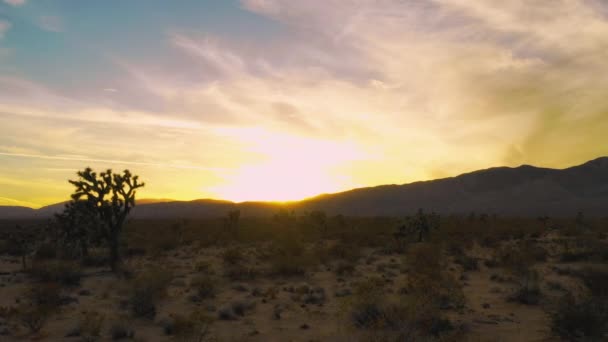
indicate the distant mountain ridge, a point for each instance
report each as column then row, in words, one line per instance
column 521, row 191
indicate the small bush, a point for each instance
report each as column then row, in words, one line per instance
column 596, row 281
column 120, row 330
column 204, row 267
column 45, row 295
column 241, row 272
column 345, row 251
column 90, row 325
column 146, row 289
column 586, row 320
column 233, row 256
column 46, row 251
column 205, row 286
column 468, row 263
column 235, row 309
column 411, row 319
column 96, row 258
column 31, row 316
column 345, row 268
column 63, row 272
column 289, row 266
column 529, row 290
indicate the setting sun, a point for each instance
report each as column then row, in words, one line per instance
column 289, row 167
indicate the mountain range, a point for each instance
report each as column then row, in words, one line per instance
column 520, row 191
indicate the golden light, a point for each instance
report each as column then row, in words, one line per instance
column 290, row 167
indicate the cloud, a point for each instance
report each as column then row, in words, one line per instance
column 352, row 93
column 51, row 23
column 4, row 27
column 15, row 2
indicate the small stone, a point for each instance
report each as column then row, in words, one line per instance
column 84, row 292
column 343, row 292
column 226, row 314
column 304, row 326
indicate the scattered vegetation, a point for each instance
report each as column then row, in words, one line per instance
column 394, row 280
column 146, row 289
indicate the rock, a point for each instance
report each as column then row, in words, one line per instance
column 84, row 292
column 314, row 298
column 304, row 326
column 278, row 310
column 485, row 305
column 195, row 299
column 303, row 289
column 226, row 314
column 67, row 300
column 74, row 332
column 343, row 292
column 241, row 288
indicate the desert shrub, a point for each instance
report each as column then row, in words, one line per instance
column 90, row 325
column 519, row 257
column 468, row 263
column 241, row 272
column 584, row 320
column 584, row 248
column 204, row 286
column 45, row 295
column 46, row 251
column 32, row 317
column 235, row 310
column 233, row 256
column 596, row 281
column 96, row 257
column 36, row 306
column 288, row 266
column 427, row 278
column 344, row 251
column 63, row 272
column 528, row 291
column 406, row 319
column 204, row 267
column 146, row 289
column 193, row 327
column 288, row 256
column 120, row 330
column 344, row 268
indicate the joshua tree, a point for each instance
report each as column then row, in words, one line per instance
column 112, row 195
column 23, row 242
column 77, row 225
column 319, row 220
column 231, row 222
column 420, row 224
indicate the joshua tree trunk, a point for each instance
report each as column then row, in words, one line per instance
column 84, row 248
column 114, row 253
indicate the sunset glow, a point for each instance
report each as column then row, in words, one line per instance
column 281, row 100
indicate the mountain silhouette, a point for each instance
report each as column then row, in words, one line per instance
column 520, row 191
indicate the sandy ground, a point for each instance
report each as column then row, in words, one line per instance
column 277, row 313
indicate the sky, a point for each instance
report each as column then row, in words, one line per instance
column 286, row 99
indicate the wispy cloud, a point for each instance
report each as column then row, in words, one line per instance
column 4, row 27
column 109, row 161
column 15, row 2
column 51, row 23
column 394, row 90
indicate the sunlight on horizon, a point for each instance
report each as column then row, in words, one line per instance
column 299, row 98
column 291, row 167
